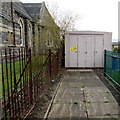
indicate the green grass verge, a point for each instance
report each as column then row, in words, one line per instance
column 114, row 74
column 17, row 73
column 37, row 63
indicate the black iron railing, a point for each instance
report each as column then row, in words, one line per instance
column 25, row 74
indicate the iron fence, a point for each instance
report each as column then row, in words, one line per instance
column 26, row 74
column 112, row 66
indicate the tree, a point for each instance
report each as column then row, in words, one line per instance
column 66, row 20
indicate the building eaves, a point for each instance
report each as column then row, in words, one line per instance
column 33, row 8
column 19, row 8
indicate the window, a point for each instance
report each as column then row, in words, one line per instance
column 10, row 37
column 30, row 34
column 49, row 39
column 5, row 37
column 21, row 23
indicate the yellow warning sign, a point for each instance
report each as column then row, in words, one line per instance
column 75, row 46
column 72, row 49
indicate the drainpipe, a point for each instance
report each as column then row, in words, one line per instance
column 0, row 108
column 13, row 23
column 26, row 34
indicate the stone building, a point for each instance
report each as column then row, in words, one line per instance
column 27, row 25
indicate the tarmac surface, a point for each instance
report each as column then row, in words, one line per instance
column 83, row 96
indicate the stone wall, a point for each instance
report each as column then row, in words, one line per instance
column 34, row 33
column 6, row 26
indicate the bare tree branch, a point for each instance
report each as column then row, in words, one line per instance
column 65, row 20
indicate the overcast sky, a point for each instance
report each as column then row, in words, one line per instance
column 95, row 15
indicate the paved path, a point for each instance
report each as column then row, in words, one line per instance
column 83, row 96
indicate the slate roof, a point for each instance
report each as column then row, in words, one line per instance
column 33, row 8
column 19, row 8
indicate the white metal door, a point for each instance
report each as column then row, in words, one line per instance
column 99, row 44
column 82, row 53
column 90, row 51
column 86, row 49
column 73, row 51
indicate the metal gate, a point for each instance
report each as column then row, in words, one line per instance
column 25, row 76
column 16, row 82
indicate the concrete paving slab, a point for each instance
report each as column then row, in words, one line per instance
column 62, row 110
column 69, row 97
column 68, row 111
column 113, row 117
column 99, row 97
column 102, row 109
column 99, row 89
column 82, row 95
column 78, row 111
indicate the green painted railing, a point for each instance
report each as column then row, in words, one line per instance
column 112, row 66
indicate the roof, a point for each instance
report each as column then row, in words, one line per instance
column 19, row 8
column 33, row 8
column 88, row 32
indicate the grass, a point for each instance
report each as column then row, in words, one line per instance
column 106, row 101
column 75, row 102
column 37, row 63
column 81, row 86
column 17, row 73
column 43, row 79
column 114, row 74
column 75, row 87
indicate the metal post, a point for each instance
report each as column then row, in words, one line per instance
column 0, row 108
column 3, row 86
column 50, row 63
column 119, row 46
column 30, row 90
column 105, row 61
column 57, row 60
column 63, row 55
